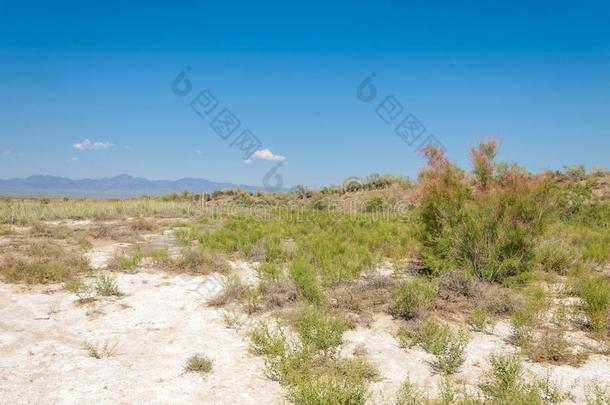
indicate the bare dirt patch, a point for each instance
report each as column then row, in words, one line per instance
column 159, row 322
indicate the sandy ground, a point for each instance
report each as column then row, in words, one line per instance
column 159, row 322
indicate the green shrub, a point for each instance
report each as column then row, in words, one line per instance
column 595, row 294
column 80, row 289
column 100, row 351
column 375, row 204
column 45, row 265
column 555, row 257
column 486, row 223
column 329, row 387
column 409, row 394
column 302, row 191
column 598, row 394
column 503, row 377
column 158, row 255
column 274, row 252
column 129, row 263
column 320, row 330
column 268, row 271
column 479, row 318
column 409, row 337
column 505, row 383
column 592, row 243
column 596, row 214
column 569, row 244
column 198, row 363
column 308, row 378
column 304, row 276
column 415, row 296
column 528, row 315
column 265, row 341
column 106, row 286
column 550, row 347
column 447, row 346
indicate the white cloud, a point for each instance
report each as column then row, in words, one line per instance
column 72, row 159
column 88, row 144
column 266, row 154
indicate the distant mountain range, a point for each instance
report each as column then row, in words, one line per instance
column 123, row 185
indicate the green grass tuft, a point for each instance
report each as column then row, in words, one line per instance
column 198, row 363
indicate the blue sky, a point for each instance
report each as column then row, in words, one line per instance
column 535, row 75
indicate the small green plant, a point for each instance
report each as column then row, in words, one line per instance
column 311, row 379
column 338, row 383
column 554, row 256
column 158, row 255
column 505, row 383
column 198, row 363
column 479, row 319
column 597, row 394
column 80, row 289
column 304, row 276
column 106, row 286
column 99, row 351
column 550, row 345
column 413, row 335
column 503, row 377
column 526, row 318
column 232, row 319
column 251, row 300
column 409, row 394
column 447, row 346
column 590, row 241
column 232, row 290
column 268, row 271
column 412, row 298
column 274, row 250
column 129, row 263
column 595, row 294
column 320, row 330
column 267, row 341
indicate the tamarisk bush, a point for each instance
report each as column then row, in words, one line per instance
column 484, row 222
